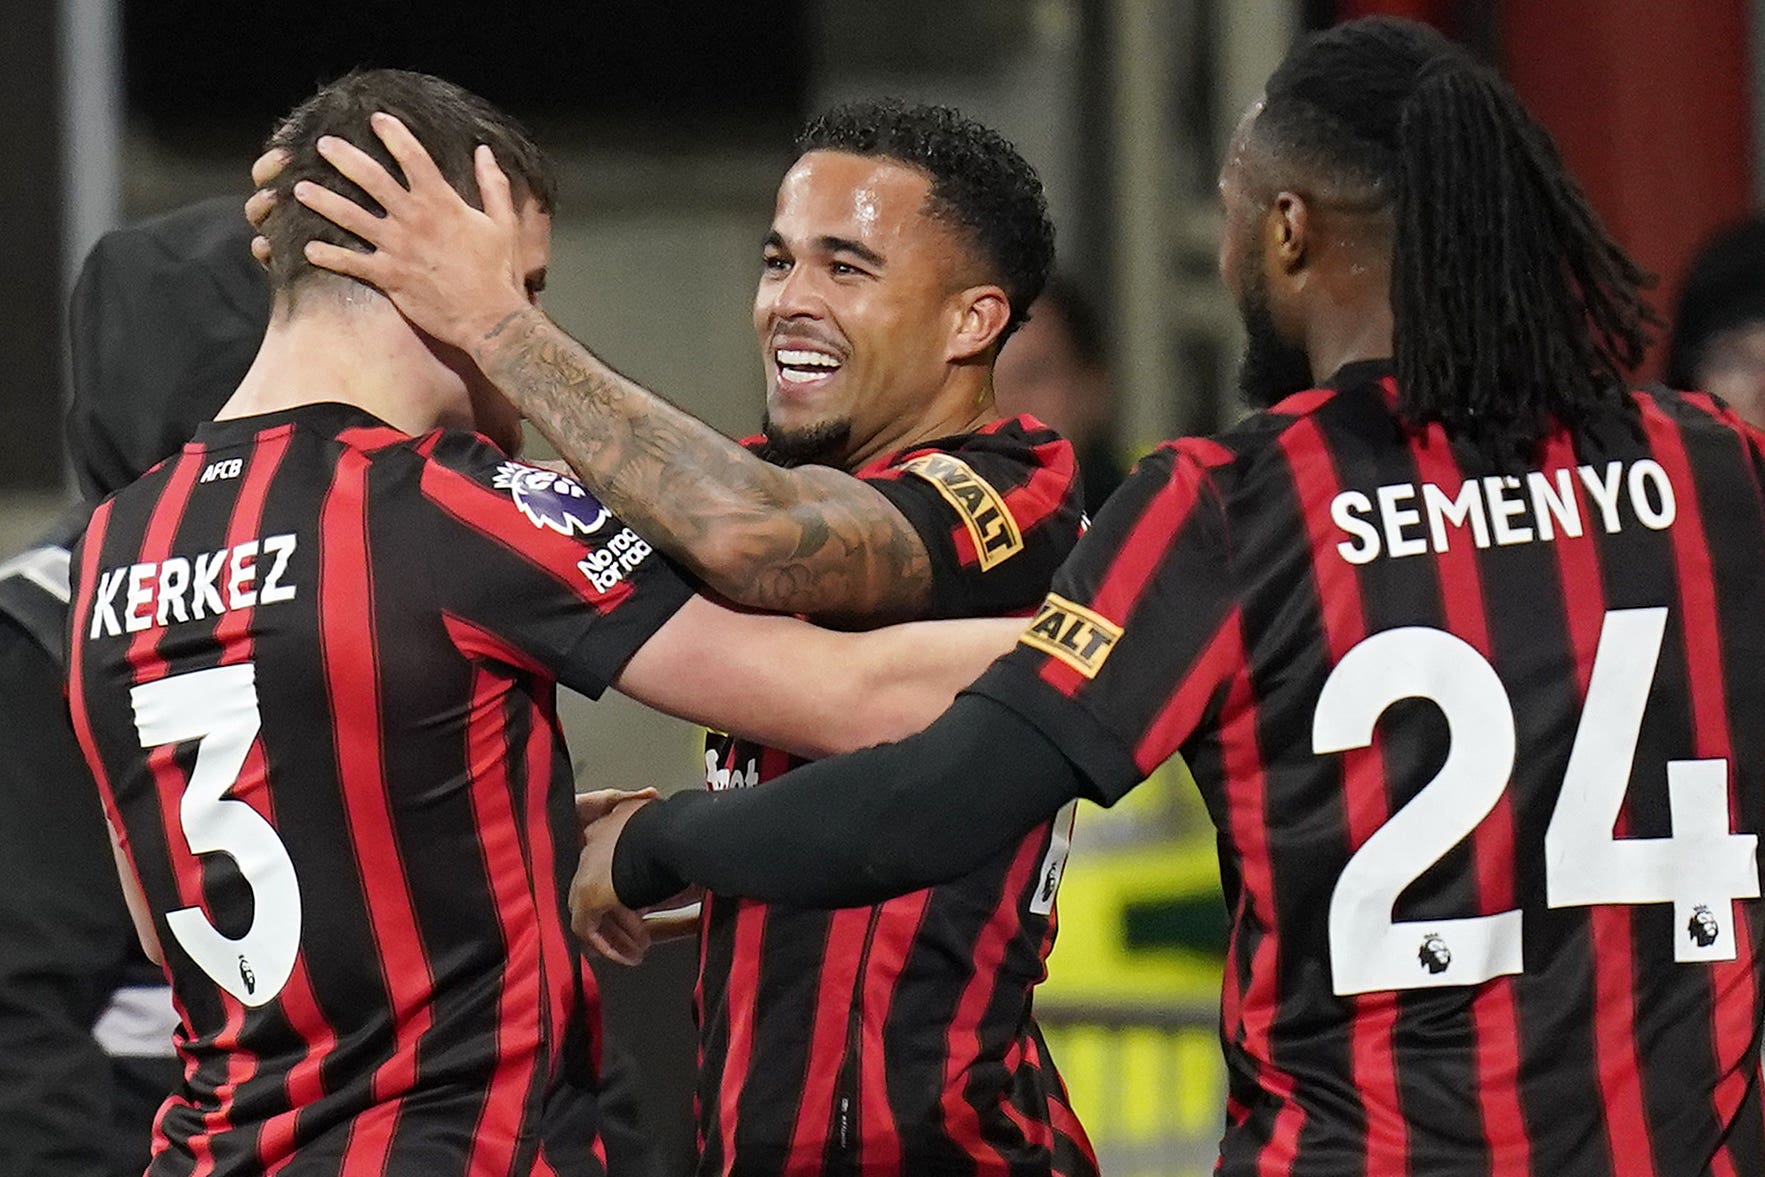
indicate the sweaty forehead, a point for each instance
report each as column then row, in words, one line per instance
column 1237, row 167
column 860, row 198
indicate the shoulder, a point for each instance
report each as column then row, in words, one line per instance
column 470, row 477
column 1022, row 439
column 1005, row 456
column 1690, row 408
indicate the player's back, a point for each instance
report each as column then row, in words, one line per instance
column 1490, row 779
column 345, row 794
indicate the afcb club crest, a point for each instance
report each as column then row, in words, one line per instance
column 549, row 500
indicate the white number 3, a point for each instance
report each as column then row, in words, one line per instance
column 218, row 708
column 1700, row 869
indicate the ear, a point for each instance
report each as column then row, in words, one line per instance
column 982, row 314
column 1289, row 232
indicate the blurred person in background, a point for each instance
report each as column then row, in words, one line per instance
column 165, row 318
column 1718, row 340
column 1057, row 371
column 906, row 247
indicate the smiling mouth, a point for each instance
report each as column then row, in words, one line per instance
column 804, row 366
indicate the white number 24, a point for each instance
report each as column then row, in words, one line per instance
column 1700, row 869
column 218, row 708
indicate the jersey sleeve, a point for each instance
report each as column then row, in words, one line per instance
column 998, row 510
column 1137, row 642
column 529, row 567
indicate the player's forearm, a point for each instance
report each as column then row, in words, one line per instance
column 856, row 829
column 908, row 676
column 763, row 536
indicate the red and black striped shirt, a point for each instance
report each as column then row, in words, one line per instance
column 1483, row 753
column 313, row 666
column 898, row 1038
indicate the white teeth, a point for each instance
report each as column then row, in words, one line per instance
column 798, row 376
column 807, row 359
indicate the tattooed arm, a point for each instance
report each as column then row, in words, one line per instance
column 808, row 540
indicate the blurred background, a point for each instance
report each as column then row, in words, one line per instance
column 673, row 124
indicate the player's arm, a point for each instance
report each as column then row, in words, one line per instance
column 842, row 832
column 1101, row 689
column 810, row 540
column 139, row 913
column 812, row 691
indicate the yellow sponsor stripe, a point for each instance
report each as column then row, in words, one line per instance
column 1072, row 633
column 982, row 509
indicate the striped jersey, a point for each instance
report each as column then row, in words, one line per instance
column 312, row 666
column 1484, row 756
column 899, row 1038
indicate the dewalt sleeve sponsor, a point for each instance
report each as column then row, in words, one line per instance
column 1072, row 633
column 981, row 508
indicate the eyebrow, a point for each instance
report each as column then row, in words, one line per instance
column 843, row 245
column 831, row 244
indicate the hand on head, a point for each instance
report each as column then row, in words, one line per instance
column 451, row 269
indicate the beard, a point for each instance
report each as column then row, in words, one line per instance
column 821, row 444
column 1272, row 369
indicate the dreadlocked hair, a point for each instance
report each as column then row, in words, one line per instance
column 1512, row 307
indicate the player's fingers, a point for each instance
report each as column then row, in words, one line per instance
column 357, row 165
column 493, row 186
column 596, row 804
column 631, row 927
column 268, row 166
column 258, row 207
column 605, row 947
column 260, row 249
column 348, row 262
column 419, row 169
column 619, row 940
column 341, row 211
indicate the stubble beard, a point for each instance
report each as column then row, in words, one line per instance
column 821, row 444
column 1271, row 369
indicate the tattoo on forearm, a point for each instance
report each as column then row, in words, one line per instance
column 805, row 541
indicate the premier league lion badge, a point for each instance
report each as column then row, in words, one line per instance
column 550, row 500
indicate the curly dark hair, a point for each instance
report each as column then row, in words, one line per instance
column 448, row 120
column 1512, row 305
column 979, row 183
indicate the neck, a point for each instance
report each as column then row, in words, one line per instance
column 962, row 405
column 1351, row 319
column 355, row 350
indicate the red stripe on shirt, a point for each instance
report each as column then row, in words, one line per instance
column 303, row 1083
column 1045, row 491
column 348, row 647
column 92, row 549
column 1365, row 791
column 147, row 665
column 519, row 1013
column 739, row 994
column 963, row 1041
column 1142, row 551
column 1246, row 804
column 827, row 1038
column 490, row 513
column 1183, row 709
column 1614, row 989
column 1734, row 1024
column 897, row 926
column 1493, row 1012
column 556, row 955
